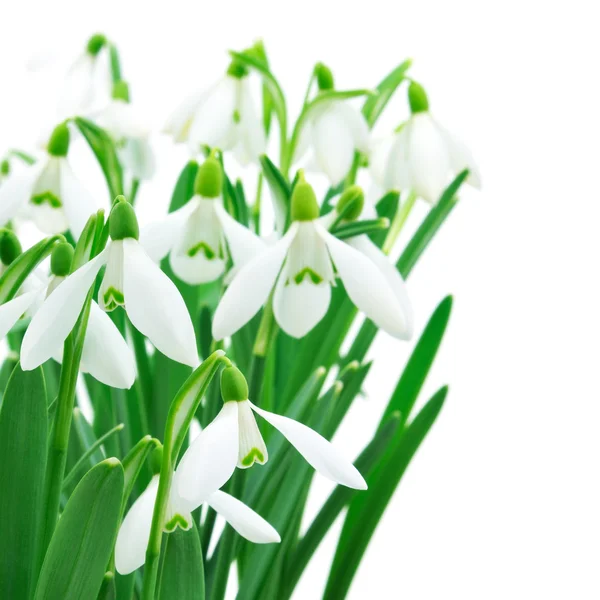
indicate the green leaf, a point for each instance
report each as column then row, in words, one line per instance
column 375, row 104
column 23, row 439
column 367, row 508
column 106, row 154
column 182, row 574
column 349, row 230
column 280, row 190
column 82, row 543
column 386, row 208
column 108, row 590
column 133, row 463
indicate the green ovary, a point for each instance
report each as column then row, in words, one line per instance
column 255, row 455
column 113, row 298
column 48, row 197
column 307, row 272
column 202, row 247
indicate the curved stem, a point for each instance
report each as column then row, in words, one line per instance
column 398, row 223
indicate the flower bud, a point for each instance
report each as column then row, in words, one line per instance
column 122, row 221
column 59, row 140
column 304, row 202
column 4, row 168
column 233, row 385
column 156, row 457
column 324, row 76
column 351, row 203
column 95, row 44
column 209, row 179
column 120, row 91
column 61, row 259
column 417, row 98
column 237, row 69
column 10, row 247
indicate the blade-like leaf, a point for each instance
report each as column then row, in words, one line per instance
column 133, row 462
column 280, row 190
column 349, row 230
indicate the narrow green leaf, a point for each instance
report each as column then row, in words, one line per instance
column 87, row 438
column 23, row 439
column 85, row 534
column 386, row 208
column 108, row 590
column 349, row 230
column 133, row 462
column 280, row 190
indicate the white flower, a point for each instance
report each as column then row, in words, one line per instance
column 201, row 236
column 223, row 117
column 132, row 540
column 300, row 268
column 56, row 199
column 233, row 439
column 132, row 280
column 422, row 156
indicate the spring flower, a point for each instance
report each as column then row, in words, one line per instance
column 422, row 156
column 233, row 439
column 56, row 199
column 223, row 117
column 332, row 132
column 132, row 280
column 300, row 268
column 201, row 236
column 105, row 353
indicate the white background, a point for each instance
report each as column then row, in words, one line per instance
column 503, row 499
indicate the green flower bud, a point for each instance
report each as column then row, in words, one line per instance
column 304, row 202
column 209, row 179
column 10, row 247
column 417, row 98
column 96, row 43
column 324, row 76
column 237, row 69
column 59, row 140
column 120, row 91
column 122, row 221
column 61, row 259
column 4, row 168
column 156, row 457
column 351, row 203
column 233, row 385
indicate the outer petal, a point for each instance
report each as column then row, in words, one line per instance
column 252, row 133
column 211, row 459
column 132, row 540
column 156, row 307
column 243, row 519
column 461, row 157
column 396, row 174
column 367, row 286
column 178, row 124
column 58, row 314
column 322, row 455
column 106, row 356
column 380, row 152
column 78, row 86
column 122, row 120
column 13, row 310
column 137, row 155
column 250, row 288
column 356, row 124
column 16, row 190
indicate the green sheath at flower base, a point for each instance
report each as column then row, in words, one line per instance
column 304, row 202
column 59, row 140
column 120, row 91
column 233, row 385
column 10, row 247
column 122, row 221
column 96, row 43
column 351, row 203
column 417, row 98
column 156, row 459
column 61, row 259
column 237, row 69
column 4, row 168
column 324, row 76
column 209, row 180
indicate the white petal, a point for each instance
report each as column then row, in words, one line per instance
column 461, row 157
column 47, row 191
column 378, row 160
column 16, row 190
column 250, row 288
column 367, row 287
column 321, row 454
column 138, row 157
column 58, row 314
column 356, row 124
column 243, row 519
column 122, row 120
column 179, row 123
column 132, row 540
column 252, row 447
column 364, row 245
column 106, row 355
column 155, row 306
column 13, row 310
column 78, row 87
column 112, row 289
column 251, row 128
column 397, row 174
column 211, row 459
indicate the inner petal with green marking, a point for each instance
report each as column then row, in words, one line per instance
column 209, row 252
column 177, row 520
column 46, row 197
column 113, row 298
column 307, row 272
column 251, row 444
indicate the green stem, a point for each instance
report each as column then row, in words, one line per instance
column 135, row 186
column 400, row 219
column 257, row 202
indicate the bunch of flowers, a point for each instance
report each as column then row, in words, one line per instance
column 229, row 307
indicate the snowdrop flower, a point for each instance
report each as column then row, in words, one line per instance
column 201, row 236
column 332, row 132
column 422, row 156
column 105, row 354
column 223, row 117
column 4, row 170
column 300, row 268
column 56, row 199
column 132, row 540
column 132, row 280
column 233, row 439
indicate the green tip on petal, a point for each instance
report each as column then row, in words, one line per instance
column 233, row 385
column 209, row 179
column 120, row 91
column 61, row 259
column 304, row 202
column 156, row 459
column 10, row 247
column 59, row 140
column 351, row 203
column 96, row 43
column 237, row 69
column 122, row 221
column 324, row 76
column 4, row 168
column 417, row 98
